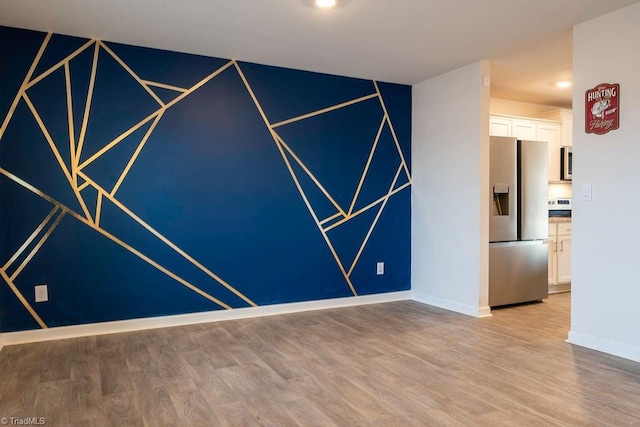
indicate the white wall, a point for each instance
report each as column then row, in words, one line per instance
column 606, row 277
column 450, row 203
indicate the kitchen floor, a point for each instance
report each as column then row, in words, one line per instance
column 399, row 363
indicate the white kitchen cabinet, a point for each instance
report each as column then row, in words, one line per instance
column 559, row 257
column 564, row 253
column 526, row 130
column 552, row 243
column 533, row 130
column 553, row 261
column 567, row 130
column 551, row 132
column 565, row 117
column 499, row 126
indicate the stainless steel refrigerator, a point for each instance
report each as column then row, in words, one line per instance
column 518, row 225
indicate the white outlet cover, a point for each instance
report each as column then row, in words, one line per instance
column 42, row 294
column 380, row 268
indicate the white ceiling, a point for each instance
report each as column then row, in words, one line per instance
column 402, row 41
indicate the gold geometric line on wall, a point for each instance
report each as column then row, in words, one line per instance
column 166, row 241
column 165, row 86
column 293, row 176
column 324, row 110
column 37, row 247
column 106, row 234
column 119, row 139
column 153, row 115
column 331, row 218
column 65, row 60
column 280, row 144
column 366, row 208
column 136, row 154
column 350, row 214
column 199, row 84
column 22, row 299
column 57, row 155
column 366, row 167
column 22, row 89
column 313, row 214
column 98, row 209
column 375, row 221
column 393, row 132
column 309, row 173
column 133, row 74
column 83, row 186
column 72, row 175
column 30, row 239
column 72, row 142
column 255, row 99
column 48, row 137
column 87, row 106
column 33, row 189
column 152, row 262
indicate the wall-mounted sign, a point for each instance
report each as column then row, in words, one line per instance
column 602, row 108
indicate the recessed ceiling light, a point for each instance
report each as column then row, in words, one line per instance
column 325, row 4
column 563, row 84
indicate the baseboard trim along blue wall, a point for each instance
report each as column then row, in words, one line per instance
column 140, row 183
column 122, row 326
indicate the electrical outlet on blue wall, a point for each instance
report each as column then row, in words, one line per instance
column 190, row 184
column 41, row 293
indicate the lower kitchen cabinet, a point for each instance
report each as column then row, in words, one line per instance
column 559, row 257
column 553, row 257
column 564, row 257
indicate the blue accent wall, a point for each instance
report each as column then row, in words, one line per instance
column 137, row 182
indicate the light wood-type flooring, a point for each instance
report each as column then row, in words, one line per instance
column 393, row 364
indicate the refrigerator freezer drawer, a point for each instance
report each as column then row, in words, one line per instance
column 518, row 272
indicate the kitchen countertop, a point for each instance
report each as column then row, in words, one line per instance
column 558, row 220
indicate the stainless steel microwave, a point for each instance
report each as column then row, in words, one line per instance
column 566, row 163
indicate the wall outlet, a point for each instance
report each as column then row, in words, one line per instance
column 380, row 268
column 42, row 294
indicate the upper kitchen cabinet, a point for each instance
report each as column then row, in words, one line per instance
column 551, row 132
column 499, row 126
column 524, row 130
column 565, row 117
column 533, row 130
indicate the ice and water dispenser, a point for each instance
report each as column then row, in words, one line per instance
column 500, row 200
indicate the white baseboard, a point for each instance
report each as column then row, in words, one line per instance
column 452, row 305
column 605, row 346
column 76, row 331
column 559, row 288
